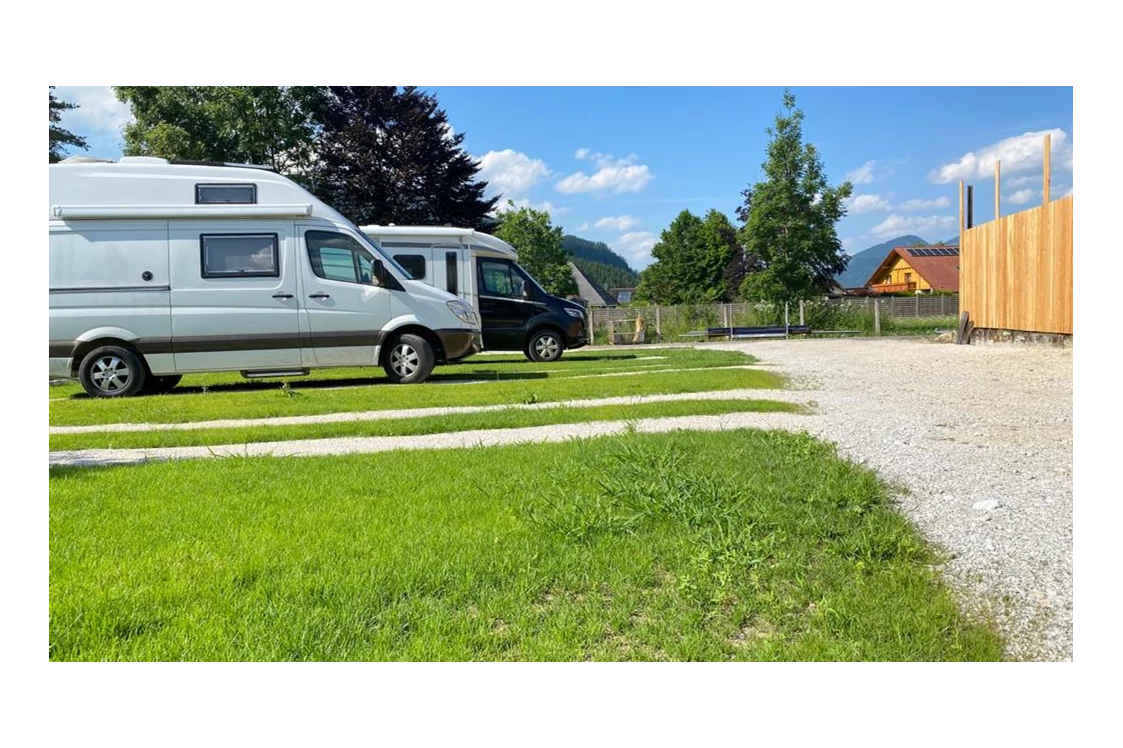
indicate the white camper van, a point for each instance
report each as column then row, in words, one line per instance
column 516, row 313
column 159, row 268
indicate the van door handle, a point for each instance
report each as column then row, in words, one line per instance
column 319, row 296
column 282, row 296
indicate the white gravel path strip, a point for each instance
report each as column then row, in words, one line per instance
column 456, row 439
column 380, row 415
column 982, row 437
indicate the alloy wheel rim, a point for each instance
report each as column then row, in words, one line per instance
column 111, row 374
column 404, row 360
column 546, row 346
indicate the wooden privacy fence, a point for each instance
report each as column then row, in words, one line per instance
column 1016, row 272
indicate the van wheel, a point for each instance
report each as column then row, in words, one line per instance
column 544, row 346
column 409, row 360
column 161, row 385
column 111, row 371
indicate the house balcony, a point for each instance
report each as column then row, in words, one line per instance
column 893, row 288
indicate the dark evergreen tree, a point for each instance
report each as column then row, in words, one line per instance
column 61, row 137
column 388, row 155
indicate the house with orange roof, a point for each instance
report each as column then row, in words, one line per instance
column 917, row 270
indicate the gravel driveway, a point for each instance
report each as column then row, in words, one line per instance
column 982, row 437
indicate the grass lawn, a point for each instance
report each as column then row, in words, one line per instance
column 743, row 545
column 508, row 418
column 329, row 392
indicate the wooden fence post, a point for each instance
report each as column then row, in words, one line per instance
column 658, row 325
column 801, row 323
column 876, row 318
column 997, row 188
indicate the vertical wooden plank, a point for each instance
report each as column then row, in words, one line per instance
column 997, row 188
column 1048, row 160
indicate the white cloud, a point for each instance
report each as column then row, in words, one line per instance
column 1023, row 181
column 620, row 223
column 848, row 242
column 867, row 203
column 511, row 173
column 863, row 174
column 1021, row 197
column 918, row 204
column 896, row 225
column 1019, row 153
column 98, row 109
column 613, row 175
column 554, row 210
column 635, row 246
column 583, row 227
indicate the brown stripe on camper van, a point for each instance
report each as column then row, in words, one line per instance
column 62, row 348
column 223, row 343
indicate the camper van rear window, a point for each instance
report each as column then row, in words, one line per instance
column 240, row 255
column 225, row 194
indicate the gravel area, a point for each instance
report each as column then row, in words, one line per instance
column 981, row 436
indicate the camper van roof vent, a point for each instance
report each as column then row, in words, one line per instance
column 85, row 160
column 261, row 167
column 142, row 160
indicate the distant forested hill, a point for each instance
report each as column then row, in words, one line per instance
column 601, row 264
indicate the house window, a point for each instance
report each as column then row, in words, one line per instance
column 240, row 255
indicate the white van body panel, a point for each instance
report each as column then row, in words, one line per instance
column 140, row 253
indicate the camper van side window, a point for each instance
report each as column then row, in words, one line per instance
column 415, row 264
column 239, row 255
column 498, row 279
column 225, row 194
column 338, row 257
column 452, row 277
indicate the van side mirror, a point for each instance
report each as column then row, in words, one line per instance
column 379, row 278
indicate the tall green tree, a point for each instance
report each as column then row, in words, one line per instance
column 268, row 125
column 691, row 258
column 60, row 136
column 790, row 217
column 539, row 244
column 388, row 155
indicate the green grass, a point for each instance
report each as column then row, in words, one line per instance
column 492, row 367
column 510, row 418
column 743, row 545
column 265, row 400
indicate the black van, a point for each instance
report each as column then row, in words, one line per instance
column 516, row 314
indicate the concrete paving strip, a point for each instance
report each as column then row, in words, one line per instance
column 450, row 440
column 379, row 415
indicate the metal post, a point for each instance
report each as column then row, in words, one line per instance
column 970, row 206
column 876, row 317
column 786, row 323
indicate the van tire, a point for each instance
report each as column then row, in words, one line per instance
column 112, row 371
column 161, row 385
column 545, row 345
column 409, row 359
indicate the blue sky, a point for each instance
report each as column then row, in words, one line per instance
column 618, row 164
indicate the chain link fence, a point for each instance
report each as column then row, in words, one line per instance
column 895, row 315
